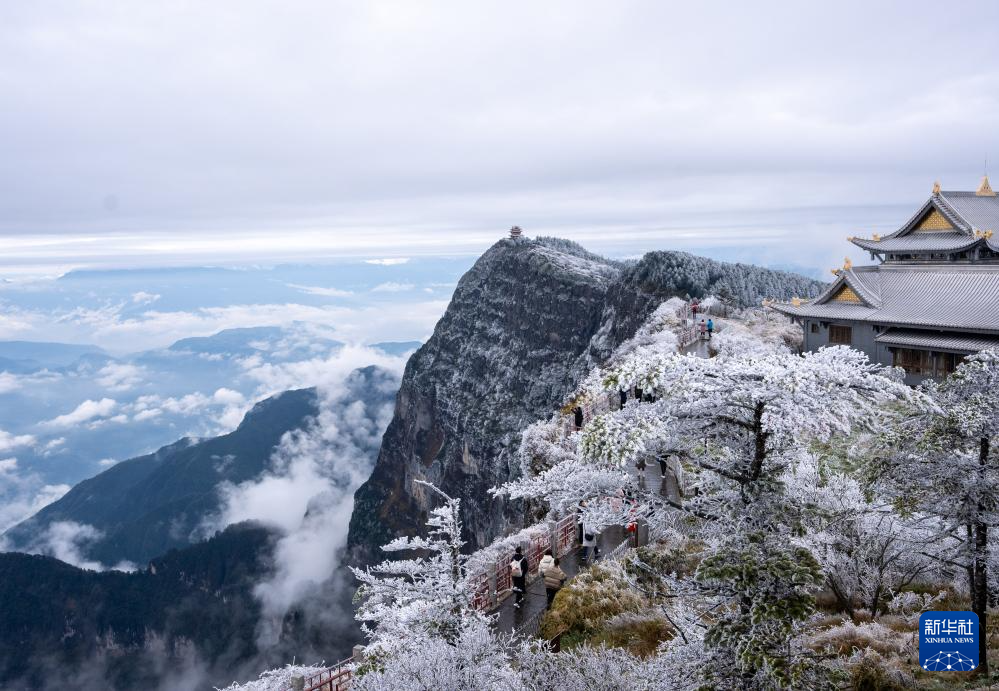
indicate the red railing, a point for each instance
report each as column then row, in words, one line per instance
column 504, row 579
column 335, row 678
column 481, row 599
column 565, row 536
column 536, row 550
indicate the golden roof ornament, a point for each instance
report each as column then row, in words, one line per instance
column 849, row 238
column 984, row 189
column 876, row 237
column 936, row 187
column 835, row 272
column 796, row 301
column 847, row 264
column 987, row 235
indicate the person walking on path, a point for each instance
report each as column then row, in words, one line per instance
column 704, row 327
column 711, row 327
column 663, row 465
column 577, row 414
column 624, row 396
column 554, row 578
column 518, row 572
column 589, row 544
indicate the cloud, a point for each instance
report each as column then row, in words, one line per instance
column 66, row 541
column 308, row 491
column 388, row 261
column 10, row 441
column 392, row 287
column 319, row 290
column 9, row 382
column 22, row 494
column 232, row 403
column 144, row 298
column 107, row 462
column 118, row 376
column 86, row 411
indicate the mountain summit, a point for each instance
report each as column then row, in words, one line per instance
column 526, row 323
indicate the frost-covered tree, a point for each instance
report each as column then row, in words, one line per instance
column 739, row 424
column 940, row 461
column 424, row 596
column 866, row 550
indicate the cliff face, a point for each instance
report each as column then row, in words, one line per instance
column 526, row 323
column 506, row 351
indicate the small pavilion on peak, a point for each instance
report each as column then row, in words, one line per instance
column 932, row 297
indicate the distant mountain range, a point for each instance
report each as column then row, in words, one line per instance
column 147, row 505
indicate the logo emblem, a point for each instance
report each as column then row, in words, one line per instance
column 948, row 641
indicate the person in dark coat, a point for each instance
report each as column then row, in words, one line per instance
column 624, row 397
column 519, row 564
column 577, row 414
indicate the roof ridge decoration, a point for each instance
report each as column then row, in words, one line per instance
column 984, row 188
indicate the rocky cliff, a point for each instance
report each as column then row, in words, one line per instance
column 526, row 322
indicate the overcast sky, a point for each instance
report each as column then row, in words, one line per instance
column 226, row 132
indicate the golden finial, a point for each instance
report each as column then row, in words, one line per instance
column 978, row 233
column 876, row 237
column 985, row 189
column 835, row 272
column 849, row 238
column 936, row 187
column 847, row 264
column 796, row 301
column 988, row 234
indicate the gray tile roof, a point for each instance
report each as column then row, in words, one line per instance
column 980, row 213
column 935, row 340
column 947, row 296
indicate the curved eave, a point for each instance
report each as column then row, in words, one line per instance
column 886, row 245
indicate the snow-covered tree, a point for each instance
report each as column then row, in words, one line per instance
column 940, row 461
column 739, row 424
column 424, row 596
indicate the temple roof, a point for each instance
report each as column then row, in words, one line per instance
column 934, row 340
column 947, row 296
column 948, row 221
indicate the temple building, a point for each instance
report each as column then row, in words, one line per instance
column 932, row 299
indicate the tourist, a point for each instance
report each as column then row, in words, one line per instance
column 704, row 327
column 638, row 394
column 577, row 414
column 624, row 396
column 663, row 465
column 554, row 578
column 547, row 562
column 711, row 327
column 518, row 571
column 589, row 544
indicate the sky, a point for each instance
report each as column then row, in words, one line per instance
column 227, row 133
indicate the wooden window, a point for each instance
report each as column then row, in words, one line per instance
column 815, row 328
column 913, row 361
column 840, row 335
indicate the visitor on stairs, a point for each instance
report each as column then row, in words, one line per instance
column 518, row 573
column 554, row 578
